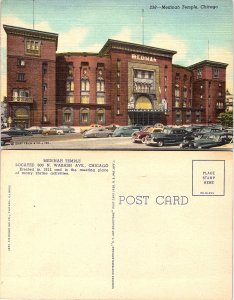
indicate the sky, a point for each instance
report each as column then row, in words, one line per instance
column 196, row 34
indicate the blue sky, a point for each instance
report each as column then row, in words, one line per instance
column 86, row 26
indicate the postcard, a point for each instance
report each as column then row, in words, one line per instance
column 123, row 225
column 116, row 149
column 92, row 75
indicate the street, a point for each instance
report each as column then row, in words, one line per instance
column 74, row 141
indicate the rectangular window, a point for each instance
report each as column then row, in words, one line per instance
column 20, row 62
column 100, row 99
column 32, row 47
column 20, row 77
column 199, row 73
column 215, row 72
column 84, row 117
column 84, row 99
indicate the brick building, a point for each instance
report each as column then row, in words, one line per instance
column 124, row 83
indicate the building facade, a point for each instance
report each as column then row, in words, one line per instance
column 124, row 83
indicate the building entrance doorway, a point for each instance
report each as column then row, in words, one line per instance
column 146, row 117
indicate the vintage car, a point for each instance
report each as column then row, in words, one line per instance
column 53, row 131
column 15, row 131
column 126, row 130
column 35, row 129
column 6, row 139
column 140, row 136
column 169, row 136
column 207, row 129
column 208, row 140
column 88, row 127
column 67, row 129
column 98, row 132
column 112, row 127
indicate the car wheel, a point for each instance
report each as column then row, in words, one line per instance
column 143, row 140
column 121, row 135
column 160, row 143
column 109, row 135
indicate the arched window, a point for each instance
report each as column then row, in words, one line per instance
column 100, row 116
column 85, row 89
column 68, row 116
column 84, row 116
column 177, row 91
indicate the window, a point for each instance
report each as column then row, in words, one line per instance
column 100, row 116
column 100, row 99
column 84, row 116
column 70, row 69
column 100, row 85
column 185, row 92
column 85, row 85
column 20, row 95
column 188, row 116
column 198, row 116
column 67, row 116
column 32, row 47
column 70, row 98
column 20, row 77
column 215, row 72
column 178, row 116
column 20, row 62
column 199, row 73
column 44, row 87
column 70, row 85
column 177, row 91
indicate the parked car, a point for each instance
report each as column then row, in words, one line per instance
column 88, row 127
column 67, row 129
column 207, row 129
column 112, row 127
column 97, row 132
column 126, row 130
column 6, row 139
column 169, row 136
column 140, row 136
column 53, row 131
column 208, row 140
column 35, row 129
column 15, row 131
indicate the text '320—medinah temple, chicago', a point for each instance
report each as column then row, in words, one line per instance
column 124, row 83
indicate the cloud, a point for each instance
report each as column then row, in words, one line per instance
column 224, row 55
column 14, row 21
column 124, row 35
column 167, row 41
column 72, row 39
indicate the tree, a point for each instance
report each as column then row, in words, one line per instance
column 226, row 119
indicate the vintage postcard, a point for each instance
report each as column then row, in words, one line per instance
column 116, row 75
column 116, row 149
column 122, row 225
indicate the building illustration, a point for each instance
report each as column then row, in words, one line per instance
column 125, row 83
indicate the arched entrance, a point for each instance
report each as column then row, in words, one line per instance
column 21, row 117
column 143, row 103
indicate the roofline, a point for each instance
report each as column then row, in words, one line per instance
column 208, row 62
column 115, row 44
column 183, row 67
column 77, row 54
column 31, row 33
